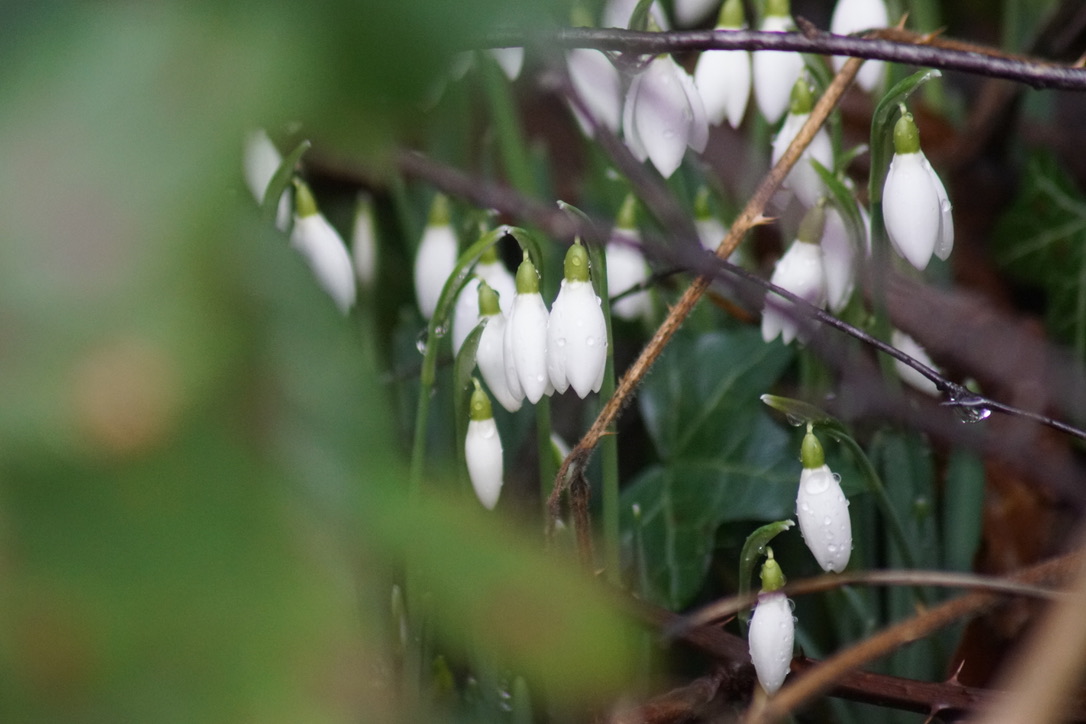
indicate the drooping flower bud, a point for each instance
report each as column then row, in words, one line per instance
column 490, row 356
column 323, row 248
column 626, row 267
column 723, row 77
column 775, row 71
column 822, row 509
column 853, row 16
column 663, row 115
column 483, row 450
column 915, row 205
column 803, row 180
column 526, row 337
column 577, row 330
column 436, row 257
column 801, row 272
column 772, row 629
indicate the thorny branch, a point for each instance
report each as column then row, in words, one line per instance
column 898, row 46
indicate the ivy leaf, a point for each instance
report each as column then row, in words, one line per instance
column 723, row 458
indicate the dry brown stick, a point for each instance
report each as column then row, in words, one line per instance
column 825, row 676
column 750, row 216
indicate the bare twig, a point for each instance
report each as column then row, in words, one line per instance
column 896, row 46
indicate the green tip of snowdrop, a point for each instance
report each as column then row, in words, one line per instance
column 731, row 15
column 906, row 134
column 778, row 8
column 810, row 451
column 812, row 226
column 801, row 100
column 439, row 211
column 576, row 264
column 772, row 576
column 304, row 203
column 489, row 304
column 527, row 277
column 480, row 404
column 771, row 636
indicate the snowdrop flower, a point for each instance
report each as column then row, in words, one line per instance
column 852, row 16
column 803, row 180
column 466, row 310
column 364, row 242
column 526, row 337
column 323, row 248
column 511, row 60
column 483, row 450
column 838, row 260
column 598, row 85
column 490, row 356
column 722, row 77
column 801, row 272
column 260, row 161
column 822, row 509
column 436, row 257
column 775, row 72
column 663, row 115
column 626, row 268
column 914, row 201
column 576, row 331
column 772, row 629
column 908, row 375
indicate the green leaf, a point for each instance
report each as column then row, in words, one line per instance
column 753, row 550
column 723, row 459
column 1040, row 242
column 281, row 180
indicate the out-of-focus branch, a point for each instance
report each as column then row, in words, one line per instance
column 898, row 46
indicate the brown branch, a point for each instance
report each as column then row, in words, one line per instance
column 750, row 216
column 679, row 705
column 897, row 46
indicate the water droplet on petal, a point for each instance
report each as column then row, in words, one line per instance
column 795, row 420
column 590, row 341
column 561, row 341
column 945, row 206
column 827, row 521
column 440, row 331
column 831, row 548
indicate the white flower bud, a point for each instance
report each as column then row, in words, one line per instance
column 801, row 272
column 838, row 261
column 908, row 375
column 323, row 248
column 723, row 79
column 626, row 269
column 598, row 85
column 526, row 338
column 915, row 206
column 775, row 72
column 260, row 162
column 483, row 451
column 822, row 509
column 663, row 115
column 771, row 638
column 853, row 16
column 803, row 180
column 576, row 339
column 490, row 357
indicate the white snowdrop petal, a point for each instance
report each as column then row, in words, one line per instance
column 364, row 246
column 626, row 269
column 483, row 452
column 771, row 638
column 722, row 78
column 775, row 72
column 509, row 363
column 629, row 127
column 801, row 272
column 911, row 208
column 698, row 132
column 822, row 511
column 690, row 12
column 662, row 115
column 852, row 16
column 327, row 256
column 465, row 314
column 599, row 86
column 710, row 232
column 838, row 260
column 526, row 337
column 803, row 180
column 510, row 59
column 908, row 375
column 576, row 339
column 945, row 242
column 616, row 14
column 260, row 161
column 490, row 358
column 434, row 264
